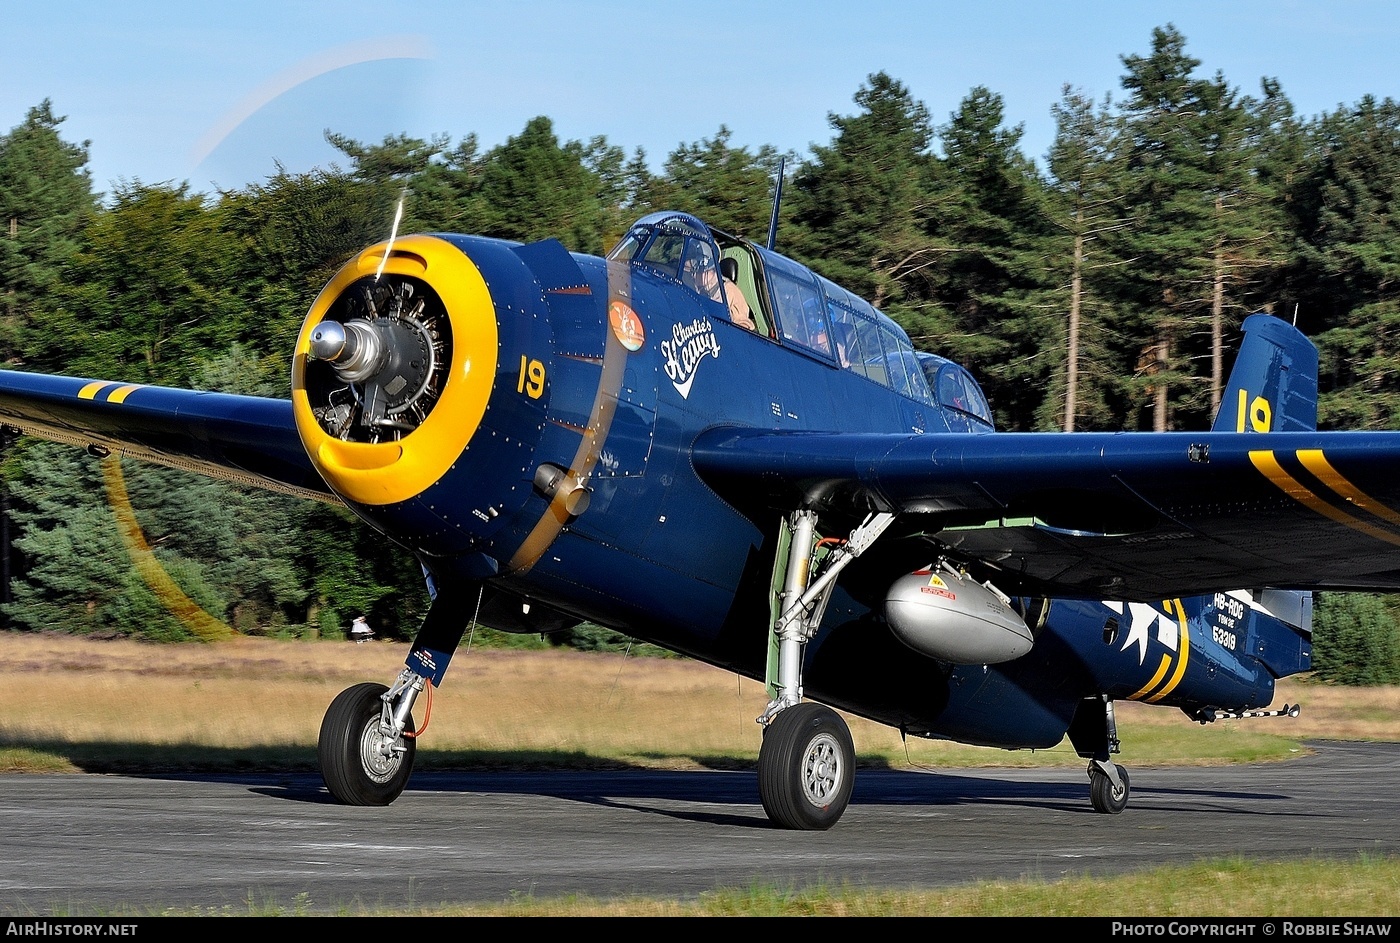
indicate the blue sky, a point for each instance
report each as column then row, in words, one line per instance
column 213, row 93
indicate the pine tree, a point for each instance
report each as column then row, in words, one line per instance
column 149, row 294
column 988, row 215
column 532, row 187
column 1084, row 205
column 46, row 201
column 860, row 204
column 1194, row 198
column 1281, row 145
column 79, row 576
column 435, row 185
column 1355, row 640
column 446, row 195
column 286, row 237
column 728, row 187
column 1350, row 251
column 1243, row 227
column 394, row 162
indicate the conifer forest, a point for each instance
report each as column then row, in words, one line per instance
column 1097, row 286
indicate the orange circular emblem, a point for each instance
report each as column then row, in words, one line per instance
column 626, row 326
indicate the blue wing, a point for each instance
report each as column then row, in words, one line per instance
column 1137, row 516
column 1102, row 515
column 248, row 439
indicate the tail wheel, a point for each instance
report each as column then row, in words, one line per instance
column 359, row 764
column 1105, row 796
column 806, row 767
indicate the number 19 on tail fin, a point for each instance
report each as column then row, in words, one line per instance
column 1273, row 386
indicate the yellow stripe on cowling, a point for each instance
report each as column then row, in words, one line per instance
column 390, row 472
column 1269, row 466
column 1184, row 647
column 171, row 596
column 91, row 390
column 1314, row 461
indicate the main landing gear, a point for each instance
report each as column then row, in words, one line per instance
column 1106, row 794
column 367, row 737
column 366, row 747
column 806, row 765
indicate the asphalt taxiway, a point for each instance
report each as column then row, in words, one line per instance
column 78, row 843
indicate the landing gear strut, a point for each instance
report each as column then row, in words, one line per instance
column 806, row 766
column 368, row 737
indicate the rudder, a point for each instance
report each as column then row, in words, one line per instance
column 1273, row 385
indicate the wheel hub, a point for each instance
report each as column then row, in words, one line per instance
column 378, row 754
column 822, row 772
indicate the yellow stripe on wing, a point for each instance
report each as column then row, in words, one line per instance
column 1271, row 469
column 119, row 396
column 1314, row 461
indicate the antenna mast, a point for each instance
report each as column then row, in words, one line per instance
column 777, row 199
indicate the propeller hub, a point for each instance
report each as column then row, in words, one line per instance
column 356, row 349
column 386, row 342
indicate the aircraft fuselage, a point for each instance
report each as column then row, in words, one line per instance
column 554, row 474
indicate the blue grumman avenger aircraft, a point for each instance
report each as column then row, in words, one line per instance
column 809, row 501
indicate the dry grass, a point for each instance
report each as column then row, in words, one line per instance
column 81, row 703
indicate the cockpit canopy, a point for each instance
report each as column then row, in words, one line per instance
column 803, row 311
column 676, row 245
column 954, row 388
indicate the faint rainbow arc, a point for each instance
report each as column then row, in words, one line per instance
column 191, row 615
column 313, row 66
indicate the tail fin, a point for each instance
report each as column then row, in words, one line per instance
column 1273, row 386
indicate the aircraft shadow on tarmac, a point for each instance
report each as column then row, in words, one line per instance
column 704, row 791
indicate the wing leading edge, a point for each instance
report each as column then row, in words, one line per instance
column 1101, row 515
column 247, row 439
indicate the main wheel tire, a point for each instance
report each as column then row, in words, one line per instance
column 1104, row 796
column 806, row 767
column 353, row 763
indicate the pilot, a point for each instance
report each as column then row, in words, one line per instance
column 699, row 274
column 843, row 345
column 702, row 276
column 816, row 326
column 739, row 311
